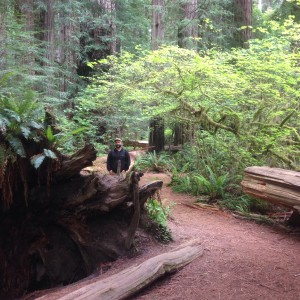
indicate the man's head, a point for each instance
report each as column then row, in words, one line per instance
column 118, row 143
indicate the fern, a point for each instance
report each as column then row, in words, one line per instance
column 49, row 153
column 154, row 162
column 25, row 131
column 49, row 134
column 213, row 186
column 37, row 160
column 16, row 145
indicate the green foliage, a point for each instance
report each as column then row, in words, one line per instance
column 21, row 121
column 154, row 162
column 159, row 215
column 214, row 186
column 18, row 121
column 157, row 212
column 182, row 183
column 219, row 92
column 133, row 21
column 243, row 105
column 245, row 204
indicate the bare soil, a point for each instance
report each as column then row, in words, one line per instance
column 242, row 259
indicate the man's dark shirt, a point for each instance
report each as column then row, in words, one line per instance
column 114, row 156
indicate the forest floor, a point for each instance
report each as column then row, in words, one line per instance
column 241, row 260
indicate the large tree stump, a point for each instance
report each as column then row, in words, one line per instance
column 57, row 225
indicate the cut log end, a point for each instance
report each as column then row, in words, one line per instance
column 278, row 186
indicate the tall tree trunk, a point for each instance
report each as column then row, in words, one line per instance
column 158, row 30
column 243, row 18
column 109, row 7
column 46, row 27
column 49, row 32
column 66, row 52
column 2, row 39
column 188, row 29
column 156, row 136
column 178, row 134
column 184, row 133
column 156, row 125
column 25, row 7
column 187, row 38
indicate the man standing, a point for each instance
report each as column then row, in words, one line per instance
column 118, row 159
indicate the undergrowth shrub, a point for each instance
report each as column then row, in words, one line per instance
column 214, row 166
column 158, row 214
column 246, row 204
column 213, row 185
column 154, row 162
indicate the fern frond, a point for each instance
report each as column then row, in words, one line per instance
column 25, row 131
column 37, row 160
column 49, row 153
column 16, row 145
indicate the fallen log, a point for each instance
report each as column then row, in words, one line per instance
column 131, row 280
column 275, row 185
column 278, row 186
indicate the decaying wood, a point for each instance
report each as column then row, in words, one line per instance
column 131, row 280
column 148, row 190
column 136, row 215
column 67, row 224
column 72, row 165
column 278, row 186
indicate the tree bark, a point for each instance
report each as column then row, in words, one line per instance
column 76, row 162
column 158, row 30
column 137, row 212
column 49, row 31
column 156, row 135
column 278, row 186
column 126, row 283
column 110, row 30
column 243, row 18
column 68, row 31
column 188, row 30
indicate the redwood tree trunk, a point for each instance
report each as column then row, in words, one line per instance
column 110, row 30
column 157, row 33
column 66, row 56
column 49, row 32
column 156, row 125
column 156, row 136
column 188, row 29
column 243, row 18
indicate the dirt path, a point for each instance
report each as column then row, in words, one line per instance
column 242, row 260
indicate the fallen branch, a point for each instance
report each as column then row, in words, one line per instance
column 133, row 279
